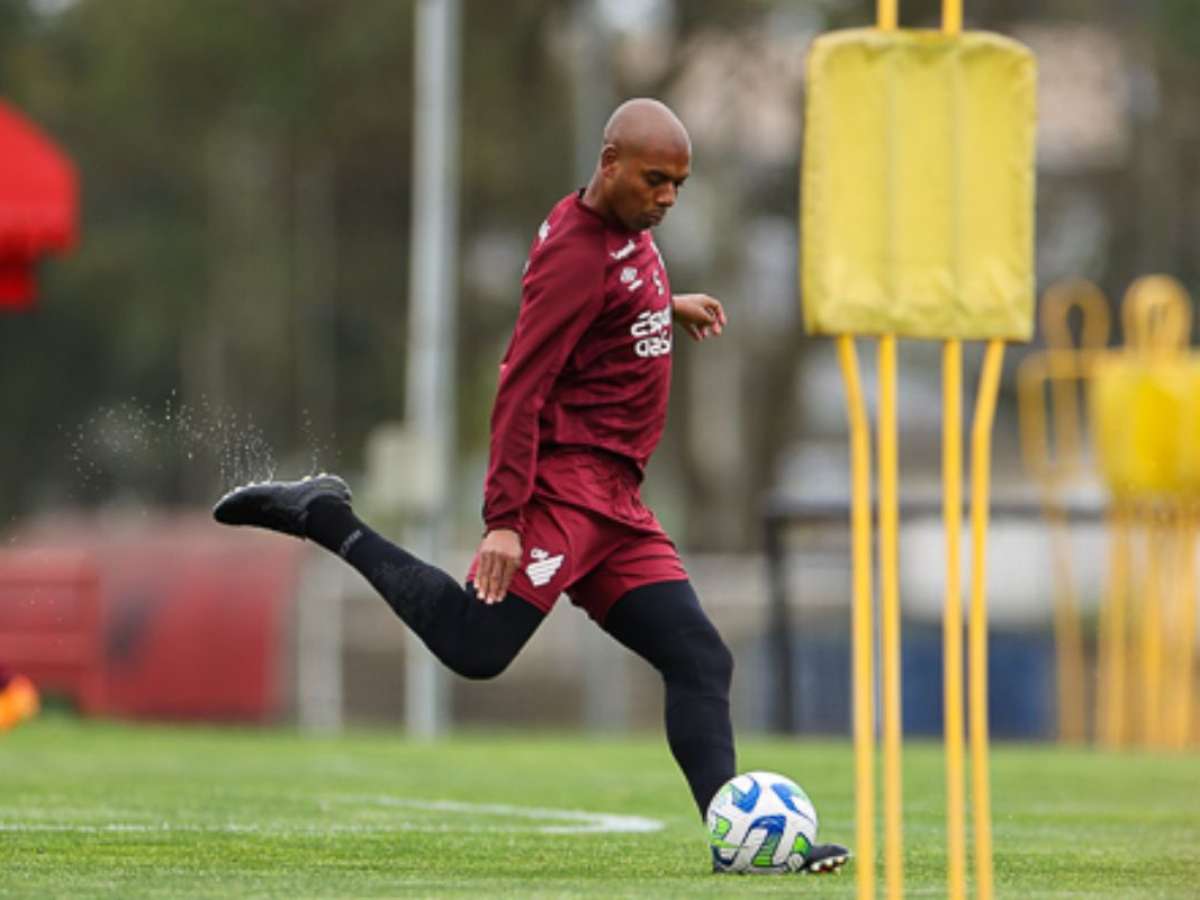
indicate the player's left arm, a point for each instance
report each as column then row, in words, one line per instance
column 701, row 316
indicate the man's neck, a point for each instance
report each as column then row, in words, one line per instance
column 593, row 198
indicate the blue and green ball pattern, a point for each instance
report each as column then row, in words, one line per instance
column 753, row 817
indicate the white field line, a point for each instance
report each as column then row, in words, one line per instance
column 582, row 822
column 525, row 819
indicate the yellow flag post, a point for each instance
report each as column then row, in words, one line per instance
column 917, row 222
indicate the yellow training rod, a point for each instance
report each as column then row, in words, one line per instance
column 887, row 15
column 952, row 620
column 1183, row 632
column 1150, row 642
column 1114, row 629
column 889, row 611
column 1187, row 630
column 863, row 620
column 889, row 585
column 981, row 462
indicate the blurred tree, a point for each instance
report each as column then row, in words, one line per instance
column 246, row 177
column 199, row 130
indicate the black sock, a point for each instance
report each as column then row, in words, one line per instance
column 333, row 524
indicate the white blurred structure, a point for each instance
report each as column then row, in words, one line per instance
column 432, row 360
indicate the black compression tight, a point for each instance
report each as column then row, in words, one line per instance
column 663, row 623
column 471, row 638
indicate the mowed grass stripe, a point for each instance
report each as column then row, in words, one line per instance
column 109, row 809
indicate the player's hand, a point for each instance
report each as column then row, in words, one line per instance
column 499, row 559
column 701, row 315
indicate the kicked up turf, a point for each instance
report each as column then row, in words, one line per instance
column 107, row 809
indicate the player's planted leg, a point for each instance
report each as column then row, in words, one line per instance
column 473, row 639
column 665, row 625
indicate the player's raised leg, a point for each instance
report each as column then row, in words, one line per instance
column 473, row 639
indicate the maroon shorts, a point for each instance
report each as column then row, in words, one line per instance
column 587, row 534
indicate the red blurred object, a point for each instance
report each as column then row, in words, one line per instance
column 168, row 618
column 39, row 204
column 50, row 622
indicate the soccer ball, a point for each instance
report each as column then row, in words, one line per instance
column 760, row 822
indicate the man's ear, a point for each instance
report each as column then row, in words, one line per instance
column 609, row 159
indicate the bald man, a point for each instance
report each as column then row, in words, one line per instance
column 580, row 406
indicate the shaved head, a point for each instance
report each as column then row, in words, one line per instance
column 641, row 124
column 646, row 158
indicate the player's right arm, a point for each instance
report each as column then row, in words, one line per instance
column 562, row 293
column 499, row 557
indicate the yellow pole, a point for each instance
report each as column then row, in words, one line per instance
column 981, row 452
column 1067, row 629
column 1114, row 628
column 1183, row 630
column 863, row 626
column 1034, row 371
column 1188, row 630
column 889, row 582
column 886, row 14
column 952, row 619
column 951, row 16
column 1150, row 651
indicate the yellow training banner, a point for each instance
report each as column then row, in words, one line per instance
column 917, row 192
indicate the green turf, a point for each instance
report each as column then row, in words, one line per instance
column 121, row 810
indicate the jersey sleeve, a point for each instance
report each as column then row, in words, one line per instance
column 562, row 294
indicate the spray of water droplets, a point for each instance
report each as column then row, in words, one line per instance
column 134, row 445
column 234, row 442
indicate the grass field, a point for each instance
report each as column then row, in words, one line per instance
column 123, row 810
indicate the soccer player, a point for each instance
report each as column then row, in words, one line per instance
column 580, row 406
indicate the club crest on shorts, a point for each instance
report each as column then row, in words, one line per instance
column 543, row 567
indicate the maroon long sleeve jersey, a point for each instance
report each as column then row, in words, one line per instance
column 589, row 362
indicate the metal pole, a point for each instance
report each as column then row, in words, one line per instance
column 320, row 614
column 606, row 700
column 592, row 87
column 779, row 649
column 431, row 339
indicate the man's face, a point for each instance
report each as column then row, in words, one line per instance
column 643, row 185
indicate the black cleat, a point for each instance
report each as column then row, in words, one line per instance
column 278, row 505
column 823, row 859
